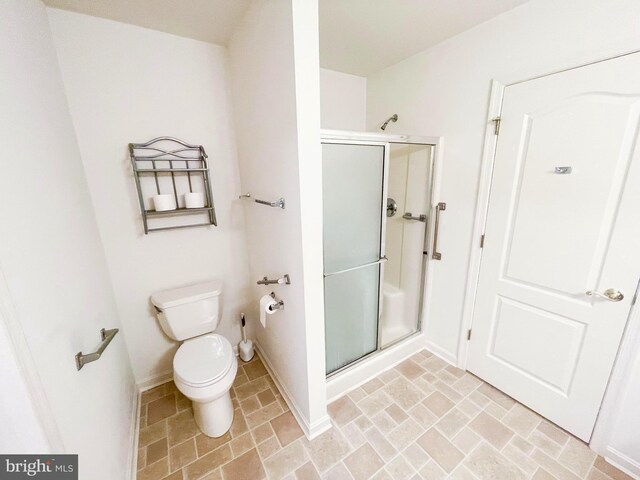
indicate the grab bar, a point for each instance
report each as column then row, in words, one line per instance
column 278, row 203
column 382, row 260
column 440, row 207
column 83, row 358
column 409, row 216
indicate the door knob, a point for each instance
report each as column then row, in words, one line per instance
column 392, row 207
column 610, row 294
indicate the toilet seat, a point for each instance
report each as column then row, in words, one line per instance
column 202, row 361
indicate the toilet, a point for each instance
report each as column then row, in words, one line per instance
column 204, row 367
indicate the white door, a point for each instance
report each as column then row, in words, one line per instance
column 551, row 237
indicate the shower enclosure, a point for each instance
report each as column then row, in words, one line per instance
column 376, row 200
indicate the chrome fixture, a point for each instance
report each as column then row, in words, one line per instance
column 277, row 203
column 280, row 281
column 382, row 260
column 420, row 218
column 610, row 294
column 393, row 118
column 392, row 207
column 439, row 208
column 277, row 306
column 83, row 358
column 563, row 170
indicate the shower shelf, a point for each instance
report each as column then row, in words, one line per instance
column 170, row 166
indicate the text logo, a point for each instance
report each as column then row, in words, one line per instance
column 47, row 467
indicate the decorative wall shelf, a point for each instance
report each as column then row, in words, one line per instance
column 168, row 166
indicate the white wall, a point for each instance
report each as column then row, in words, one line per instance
column 306, row 58
column 444, row 91
column 343, row 101
column 55, row 274
column 22, row 429
column 129, row 84
column 624, row 440
column 275, row 93
column 616, row 433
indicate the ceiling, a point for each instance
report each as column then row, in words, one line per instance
column 356, row 36
column 211, row 21
column 365, row 36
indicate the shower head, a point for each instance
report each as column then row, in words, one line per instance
column 393, row 118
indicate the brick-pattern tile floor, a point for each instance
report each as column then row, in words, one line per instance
column 423, row 419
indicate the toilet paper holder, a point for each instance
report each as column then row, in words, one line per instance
column 279, row 305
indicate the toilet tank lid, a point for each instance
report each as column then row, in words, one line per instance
column 191, row 293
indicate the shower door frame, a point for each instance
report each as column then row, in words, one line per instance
column 343, row 379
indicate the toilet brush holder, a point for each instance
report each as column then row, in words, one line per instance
column 245, row 350
column 245, row 347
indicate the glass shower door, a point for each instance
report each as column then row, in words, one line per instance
column 353, row 193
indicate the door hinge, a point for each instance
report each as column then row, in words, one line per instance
column 468, row 334
column 482, row 241
column 496, row 124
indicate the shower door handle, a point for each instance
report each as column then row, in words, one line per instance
column 440, row 207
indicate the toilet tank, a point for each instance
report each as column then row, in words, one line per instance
column 187, row 312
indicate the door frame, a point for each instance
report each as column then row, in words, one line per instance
column 480, row 218
column 370, row 365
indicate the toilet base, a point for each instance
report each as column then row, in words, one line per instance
column 214, row 418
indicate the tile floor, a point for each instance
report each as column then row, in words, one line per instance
column 423, row 419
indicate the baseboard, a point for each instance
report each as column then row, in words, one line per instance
column 135, row 433
column 310, row 430
column 442, row 353
column 155, row 380
column 373, row 366
column 624, row 463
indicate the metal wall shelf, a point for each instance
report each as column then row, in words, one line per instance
column 166, row 165
column 177, row 211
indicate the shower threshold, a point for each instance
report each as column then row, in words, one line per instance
column 373, row 364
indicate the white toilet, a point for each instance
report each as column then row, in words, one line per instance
column 204, row 366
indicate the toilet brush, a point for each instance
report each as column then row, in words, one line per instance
column 245, row 347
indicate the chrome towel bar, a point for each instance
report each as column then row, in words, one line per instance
column 278, row 203
column 280, row 281
column 83, row 358
column 420, row 218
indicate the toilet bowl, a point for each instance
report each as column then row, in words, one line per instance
column 205, row 366
column 204, row 369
